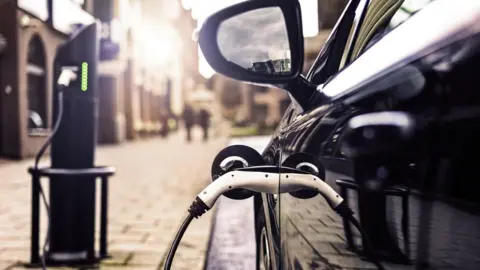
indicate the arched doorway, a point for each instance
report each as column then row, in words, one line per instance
column 36, row 86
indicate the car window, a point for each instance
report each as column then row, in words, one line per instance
column 329, row 58
column 358, row 18
column 412, row 40
column 401, row 11
column 375, row 26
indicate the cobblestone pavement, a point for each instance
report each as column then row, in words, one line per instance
column 316, row 232
column 233, row 236
column 156, row 181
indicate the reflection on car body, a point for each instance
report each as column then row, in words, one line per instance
column 278, row 66
column 421, row 59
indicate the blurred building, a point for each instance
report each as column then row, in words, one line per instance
column 149, row 75
column 32, row 30
column 329, row 11
column 145, row 67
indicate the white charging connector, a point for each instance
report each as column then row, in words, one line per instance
column 68, row 75
column 263, row 179
column 267, row 182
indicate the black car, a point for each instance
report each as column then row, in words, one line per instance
column 388, row 115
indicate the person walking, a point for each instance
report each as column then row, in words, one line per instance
column 164, row 121
column 204, row 121
column 188, row 119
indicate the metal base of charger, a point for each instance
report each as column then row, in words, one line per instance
column 103, row 173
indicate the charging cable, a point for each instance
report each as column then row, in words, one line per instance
column 42, row 192
column 266, row 179
column 66, row 77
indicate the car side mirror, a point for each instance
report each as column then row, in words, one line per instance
column 255, row 41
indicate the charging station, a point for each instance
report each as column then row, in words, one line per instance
column 73, row 173
column 72, row 198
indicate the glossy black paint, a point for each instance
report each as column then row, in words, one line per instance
column 444, row 201
column 438, row 86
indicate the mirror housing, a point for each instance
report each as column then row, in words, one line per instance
column 293, row 22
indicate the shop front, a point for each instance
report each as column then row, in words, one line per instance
column 32, row 29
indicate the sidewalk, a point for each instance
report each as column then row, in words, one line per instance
column 156, row 181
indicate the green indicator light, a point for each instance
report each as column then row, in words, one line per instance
column 84, row 83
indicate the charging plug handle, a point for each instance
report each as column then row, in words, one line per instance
column 264, row 179
column 268, row 182
column 67, row 76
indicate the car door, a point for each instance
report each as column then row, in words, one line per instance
column 314, row 132
column 276, row 152
column 312, row 235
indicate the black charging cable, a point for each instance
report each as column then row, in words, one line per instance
column 176, row 241
column 346, row 212
column 198, row 208
column 37, row 160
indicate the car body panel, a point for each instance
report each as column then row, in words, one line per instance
column 444, row 219
column 418, row 37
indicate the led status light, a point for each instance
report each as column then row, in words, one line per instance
column 84, row 84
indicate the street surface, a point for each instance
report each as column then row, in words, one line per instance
column 233, row 236
column 155, row 183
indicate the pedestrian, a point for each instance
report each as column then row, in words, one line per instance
column 204, row 121
column 165, row 128
column 188, row 119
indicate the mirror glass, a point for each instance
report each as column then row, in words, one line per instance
column 257, row 41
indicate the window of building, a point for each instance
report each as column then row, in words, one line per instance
column 260, row 89
column 36, row 86
column 231, row 95
column 260, row 114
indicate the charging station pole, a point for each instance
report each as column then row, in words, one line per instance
column 72, row 197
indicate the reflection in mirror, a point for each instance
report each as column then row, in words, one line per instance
column 257, row 41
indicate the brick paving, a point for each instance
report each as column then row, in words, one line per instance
column 313, row 229
column 156, row 181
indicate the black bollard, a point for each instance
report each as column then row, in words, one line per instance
column 72, row 197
